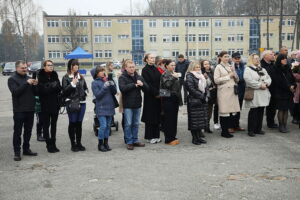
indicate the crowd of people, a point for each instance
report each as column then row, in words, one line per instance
column 271, row 82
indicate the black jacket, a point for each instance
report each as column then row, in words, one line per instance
column 181, row 67
column 22, row 93
column 167, row 81
column 70, row 92
column 49, row 90
column 152, row 105
column 131, row 95
column 196, row 105
column 270, row 68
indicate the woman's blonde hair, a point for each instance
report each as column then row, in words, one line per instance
column 192, row 66
column 251, row 58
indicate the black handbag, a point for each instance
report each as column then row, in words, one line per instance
column 73, row 105
column 116, row 101
column 164, row 93
column 236, row 89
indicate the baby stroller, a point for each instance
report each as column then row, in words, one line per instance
column 96, row 123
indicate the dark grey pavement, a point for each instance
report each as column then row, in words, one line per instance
column 262, row 167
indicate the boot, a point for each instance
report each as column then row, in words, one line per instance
column 207, row 129
column 199, row 138
column 194, row 140
column 106, row 144
column 285, row 128
column 71, row 131
column 200, row 134
column 54, row 145
column 281, row 128
column 49, row 146
column 101, row 146
column 78, row 136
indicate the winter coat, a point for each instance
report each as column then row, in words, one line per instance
column 23, row 94
column 254, row 80
column 152, row 104
column 131, row 95
column 270, row 68
column 70, row 92
column 228, row 101
column 182, row 67
column 105, row 104
column 169, row 82
column 196, row 104
column 49, row 90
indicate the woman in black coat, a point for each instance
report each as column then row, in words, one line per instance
column 49, row 90
column 196, row 86
column 284, row 86
column 152, row 102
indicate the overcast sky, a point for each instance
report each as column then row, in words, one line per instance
column 82, row 7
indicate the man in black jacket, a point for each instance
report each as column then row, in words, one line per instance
column 268, row 63
column 131, row 84
column 23, row 90
column 181, row 67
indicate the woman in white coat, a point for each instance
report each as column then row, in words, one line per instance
column 256, row 78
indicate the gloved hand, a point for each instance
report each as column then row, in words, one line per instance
column 106, row 84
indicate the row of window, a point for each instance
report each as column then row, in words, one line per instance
column 84, row 38
column 98, row 53
column 284, row 36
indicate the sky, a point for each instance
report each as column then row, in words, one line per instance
column 82, row 7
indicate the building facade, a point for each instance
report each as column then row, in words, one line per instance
column 114, row 38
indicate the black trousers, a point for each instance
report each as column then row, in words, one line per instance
column 184, row 91
column 151, row 131
column 226, row 123
column 39, row 124
column 255, row 119
column 170, row 108
column 271, row 112
column 216, row 114
column 22, row 119
column 237, row 117
column 49, row 119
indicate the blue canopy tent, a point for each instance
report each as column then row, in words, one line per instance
column 80, row 53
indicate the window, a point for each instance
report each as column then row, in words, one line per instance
column 123, row 21
column 98, row 54
column 107, row 38
column 97, row 23
column 231, row 38
column 190, row 38
column 291, row 22
column 106, row 23
column 64, row 53
column 283, row 22
column 240, row 37
column 240, row 50
column 270, row 35
column 66, row 39
column 175, row 23
column 231, row 23
column 83, row 39
column 240, row 22
column 218, row 38
column 153, row 38
column 65, row 23
column 166, row 23
column 191, row 52
column 283, row 36
column 81, row 23
column 166, row 38
column 190, row 22
column 203, row 52
column 203, row 37
column 218, row 23
column 107, row 54
column 123, row 36
column 266, row 20
column 290, row 36
column 203, row 23
column 175, row 38
column 217, row 51
column 54, row 54
column 53, row 38
column 52, row 23
column 231, row 51
column 152, row 23
column 175, row 53
column 123, row 51
column 103, row 39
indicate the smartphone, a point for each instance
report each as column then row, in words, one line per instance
column 34, row 75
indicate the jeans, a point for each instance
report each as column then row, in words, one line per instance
column 77, row 116
column 104, row 129
column 131, row 125
column 22, row 119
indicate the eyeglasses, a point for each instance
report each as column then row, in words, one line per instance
column 49, row 65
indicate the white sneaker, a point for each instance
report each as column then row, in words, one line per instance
column 217, row 126
column 158, row 140
column 153, row 141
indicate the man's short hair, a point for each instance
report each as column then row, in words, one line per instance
column 180, row 56
column 266, row 52
column 19, row 62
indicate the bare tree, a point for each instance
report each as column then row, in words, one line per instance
column 280, row 23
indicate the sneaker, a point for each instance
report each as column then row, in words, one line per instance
column 217, row 126
column 153, row 141
column 158, row 140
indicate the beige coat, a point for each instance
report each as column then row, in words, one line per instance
column 228, row 102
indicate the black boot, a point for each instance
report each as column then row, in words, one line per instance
column 78, row 136
column 199, row 138
column 49, row 146
column 54, row 145
column 101, row 146
column 71, row 131
column 194, row 140
column 281, row 128
column 200, row 134
column 207, row 129
column 224, row 127
column 106, row 144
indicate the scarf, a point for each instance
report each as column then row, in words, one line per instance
column 202, row 80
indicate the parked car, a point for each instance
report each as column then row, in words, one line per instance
column 117, row 64
column 9, row 68
column 35, row 65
